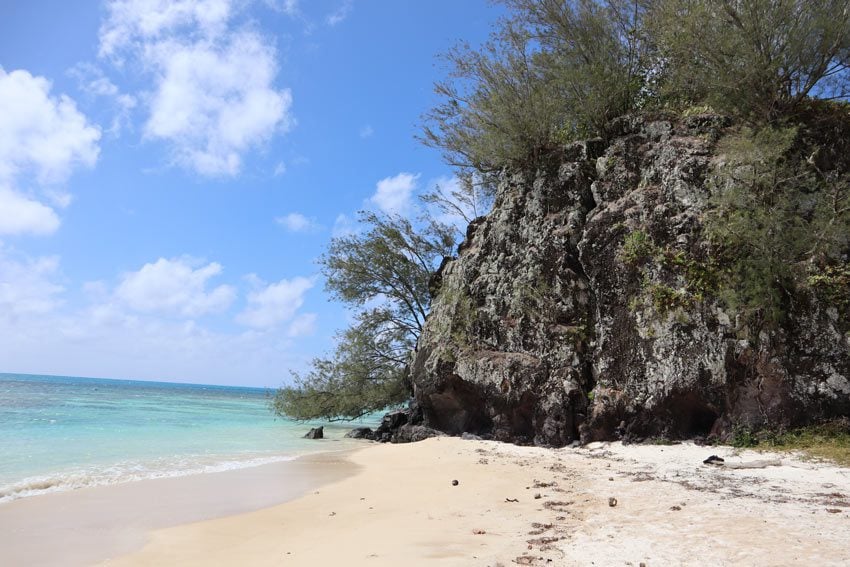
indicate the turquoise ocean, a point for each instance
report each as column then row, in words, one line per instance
column 60, row 433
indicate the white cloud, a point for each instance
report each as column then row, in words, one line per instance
column 366, row 131
column 42, row 139
column 343, row 226
column 213, row 102
column 93, row 81
column 41, row 134
column 132, row 22
column 176, row 286
column 304, row 325
column 288, row 7
column 214, row 97
column 393, row 194
column 95, row 289
column 104, row 341
column 341, row 13
column 20, row 215
column 27, row 285
column 296, row 222
column 279, row 169
column 59, row 198
column 109, row 338
column 275, row 303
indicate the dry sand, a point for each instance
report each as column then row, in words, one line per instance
column 401, row 508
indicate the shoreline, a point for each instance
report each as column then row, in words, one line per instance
column 87, row 525
column 382, row 504
column 534, row 506
column 62, row 481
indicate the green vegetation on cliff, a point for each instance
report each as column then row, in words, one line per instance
column 561, row 70
column 780, row 222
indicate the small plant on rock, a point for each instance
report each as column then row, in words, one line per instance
column 637, row 247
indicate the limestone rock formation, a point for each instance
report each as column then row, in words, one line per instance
column 542, row 332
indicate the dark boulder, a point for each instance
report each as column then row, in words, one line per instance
column 390, row 423
column 408, row 433
column 361, row 433
column 315, row 433
column 395, row 420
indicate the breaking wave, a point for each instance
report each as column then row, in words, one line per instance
column 129, row 472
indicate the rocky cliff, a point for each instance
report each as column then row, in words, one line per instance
column 547, row 329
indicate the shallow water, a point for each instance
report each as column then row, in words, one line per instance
column 60, row 433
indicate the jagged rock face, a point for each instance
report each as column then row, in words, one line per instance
column 502, row 352
column 541, row 332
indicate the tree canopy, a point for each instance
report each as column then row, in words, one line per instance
column 557, row 70
column 552, row 71
column 759, row 59
column 382, row 273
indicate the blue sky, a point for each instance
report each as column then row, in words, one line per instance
column 171, row 170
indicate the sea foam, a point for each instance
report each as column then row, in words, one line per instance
column 128, row 472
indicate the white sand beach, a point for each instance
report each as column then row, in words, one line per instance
column 533, row 506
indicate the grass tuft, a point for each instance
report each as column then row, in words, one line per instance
column 828, row 441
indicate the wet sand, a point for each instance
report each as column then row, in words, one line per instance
column 89, row 525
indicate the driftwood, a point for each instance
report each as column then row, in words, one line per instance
column 760, row 464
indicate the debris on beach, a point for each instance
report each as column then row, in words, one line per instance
column 539, row 528
column 716, row 461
